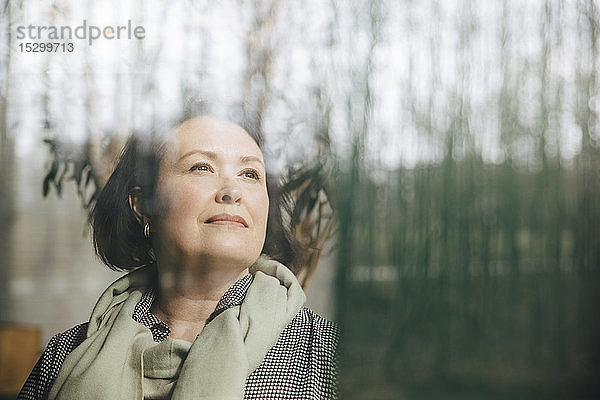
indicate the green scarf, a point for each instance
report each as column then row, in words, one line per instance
column 119, row 359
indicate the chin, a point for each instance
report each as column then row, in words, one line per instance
column 231, row 253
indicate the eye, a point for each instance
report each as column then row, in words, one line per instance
column 204, row 167
column 251, row 173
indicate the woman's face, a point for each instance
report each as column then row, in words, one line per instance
column 212, row 181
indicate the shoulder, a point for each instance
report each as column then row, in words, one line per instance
column 323, row 340
column 310, row 338
column 46, row 370
column 68, row 340
column 312, row 332
column 302, row 364
column 314, row 326
column 318, row 338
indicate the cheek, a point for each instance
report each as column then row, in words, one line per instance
column 184, row 198
column 257, row 206
column 262, row 209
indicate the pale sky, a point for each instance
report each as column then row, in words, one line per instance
column 403, row 65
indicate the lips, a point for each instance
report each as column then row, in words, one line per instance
column 227, row 219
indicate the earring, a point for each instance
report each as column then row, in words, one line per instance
column 147, row 230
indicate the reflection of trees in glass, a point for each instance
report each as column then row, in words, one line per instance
column 7, row 156
column 489, row 285
column 456, row 141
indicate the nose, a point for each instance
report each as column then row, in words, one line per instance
column 229, row 194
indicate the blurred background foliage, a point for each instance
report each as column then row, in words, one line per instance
column 456, row 142
column 470, row 276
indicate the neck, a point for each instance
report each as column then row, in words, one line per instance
column 188, row 293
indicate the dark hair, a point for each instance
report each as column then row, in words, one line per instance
column 117, row 235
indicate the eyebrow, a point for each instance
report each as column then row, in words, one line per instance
column 246, row 159
column 213, row 156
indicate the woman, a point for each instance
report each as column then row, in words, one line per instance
column 207, row 316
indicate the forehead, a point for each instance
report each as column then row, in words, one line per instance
column 209, row 133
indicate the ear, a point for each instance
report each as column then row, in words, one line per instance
column 136, row 204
